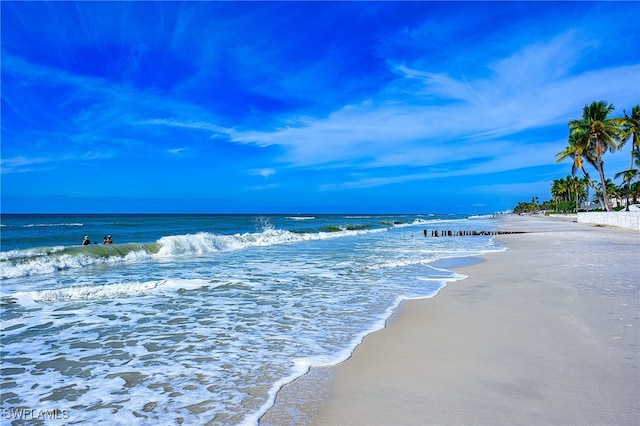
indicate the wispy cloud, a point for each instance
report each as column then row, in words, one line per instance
column 22, row 164
column 192, row 125
column 105, row 100
column 263, row 172
column 177, row 151
column 412, row 121
column 406, row 92
column 266, row 187
column 531, row 89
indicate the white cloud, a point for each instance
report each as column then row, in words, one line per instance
column 22, row 161
column 262, row 187
column 262, row 172
column 176, row 151
column 22, row 164
column 423, row 118
column 448, row 118
column 109, row 107
column 186, row 124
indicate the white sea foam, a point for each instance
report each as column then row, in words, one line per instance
column 46, row 225
column 109, row 291
column 455, row 277
column 90, row 291
column 41, row 264
column 24, row 263
column 205, row 243
column 28, row 253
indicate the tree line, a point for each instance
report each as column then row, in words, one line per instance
column 591, row 136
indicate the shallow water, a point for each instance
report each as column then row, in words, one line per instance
column 196, row 319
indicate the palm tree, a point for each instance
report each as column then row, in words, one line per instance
column 630, row 127
column 631, row 131
column 594, row 135
column 635, row 192
column 630, row 174
column 578, row 151
column 612, row 191
column 567, row 190
column 576, row 188
column 559, row 191
column 556, row 190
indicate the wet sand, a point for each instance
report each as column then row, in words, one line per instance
column 544, row 333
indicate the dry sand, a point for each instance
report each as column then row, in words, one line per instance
column 545, row 333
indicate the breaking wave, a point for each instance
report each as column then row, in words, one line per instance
column 108, row 291
column 46, row 260
column 36, row 261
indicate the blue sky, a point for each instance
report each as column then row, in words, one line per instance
column 241, row 107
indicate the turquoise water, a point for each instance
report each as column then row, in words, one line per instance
column 190, row 319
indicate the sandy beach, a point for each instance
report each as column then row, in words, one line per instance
column 544, row 333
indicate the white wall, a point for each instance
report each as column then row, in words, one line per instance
column 630, row 220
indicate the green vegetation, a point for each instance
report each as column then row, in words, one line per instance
column 631, row 129
column 590, row 137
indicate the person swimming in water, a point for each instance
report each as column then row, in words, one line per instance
column 86, row 241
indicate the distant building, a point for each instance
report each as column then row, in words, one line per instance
column 590, row 205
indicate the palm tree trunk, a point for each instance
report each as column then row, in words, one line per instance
column 591, row 185
column 628, row 190
column 633, row 146
column 600, row 164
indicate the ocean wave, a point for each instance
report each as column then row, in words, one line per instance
column 29, row 253
column 419, row 221
column 33, row 225
column 205, row 243
column 108, row 291
column 348, row 227
column 38, row 261
column 42, row 225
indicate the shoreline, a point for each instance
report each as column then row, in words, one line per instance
column 546, row 332
column 314, row 382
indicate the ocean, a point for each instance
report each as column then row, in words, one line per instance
column 200, row 319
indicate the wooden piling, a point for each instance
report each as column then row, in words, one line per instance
column 466, row 232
